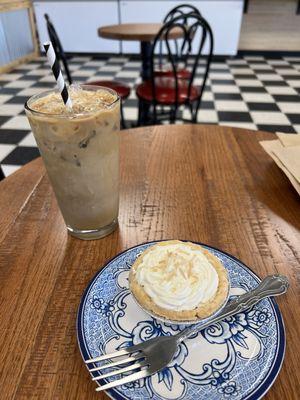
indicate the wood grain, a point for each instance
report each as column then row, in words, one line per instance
column 204, row 183
column 9, row 5
column 145, row 32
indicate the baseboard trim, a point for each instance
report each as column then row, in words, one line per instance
column 240, row 53
column 269, row 53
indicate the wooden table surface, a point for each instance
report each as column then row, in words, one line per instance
column 144, row 32
column 204, row 183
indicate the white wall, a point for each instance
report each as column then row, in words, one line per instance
column 77, row 22
column 15, row 35
column 224, row 17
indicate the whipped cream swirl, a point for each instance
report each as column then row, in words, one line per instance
column 177, row 276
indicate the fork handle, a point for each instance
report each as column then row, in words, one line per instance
column 272, row 285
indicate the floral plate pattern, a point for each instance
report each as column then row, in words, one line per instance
column 237, row 358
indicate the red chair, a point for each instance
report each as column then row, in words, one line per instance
column 121, row 88
column 183, row 73
column 165, row 91
column 170, row 90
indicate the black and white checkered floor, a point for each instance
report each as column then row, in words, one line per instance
column 252, row 92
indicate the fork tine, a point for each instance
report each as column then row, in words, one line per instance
column 133, row 377
column 128, row 350
column 117, row 363
column 121, row 370
column 107, row 356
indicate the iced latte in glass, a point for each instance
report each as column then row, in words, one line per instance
column 80, row 149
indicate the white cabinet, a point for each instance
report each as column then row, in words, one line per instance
column 224, row 17
column 77, row 24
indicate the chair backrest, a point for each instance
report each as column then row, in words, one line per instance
column 194, row 30
column 59, row 51
column 181, row 10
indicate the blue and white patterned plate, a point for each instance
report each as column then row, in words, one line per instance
column 238, row 358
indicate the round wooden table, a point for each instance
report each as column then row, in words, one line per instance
column 144, row 33
column 210, row 184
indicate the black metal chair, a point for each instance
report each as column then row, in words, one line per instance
column 182, row 10
column 121, row 88
column 172, row 91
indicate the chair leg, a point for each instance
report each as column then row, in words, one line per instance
column 123, row 125
column 194, row 113
column 154, row 114
column 195, row 108
column 173, row 113
column 143, row 113
column 2, row 176
column 190, row 107
column 139, row 122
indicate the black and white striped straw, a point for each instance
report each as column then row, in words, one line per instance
column 54, row 64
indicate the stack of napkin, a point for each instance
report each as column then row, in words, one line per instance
column 286, row 153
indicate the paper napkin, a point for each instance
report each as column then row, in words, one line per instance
column 286, row 153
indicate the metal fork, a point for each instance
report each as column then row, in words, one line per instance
column 151, row 356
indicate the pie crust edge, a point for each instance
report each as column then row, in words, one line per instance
column 202, row 311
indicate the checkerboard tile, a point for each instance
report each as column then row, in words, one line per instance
column 252, row 92
column 19, row 84
column 17, row 122
column 5, row 150
column 9, row 169
column 11, row 109
column 28, row 141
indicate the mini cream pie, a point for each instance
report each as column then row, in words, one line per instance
column 179, row 281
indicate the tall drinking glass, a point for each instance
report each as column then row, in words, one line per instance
column 80, row 149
